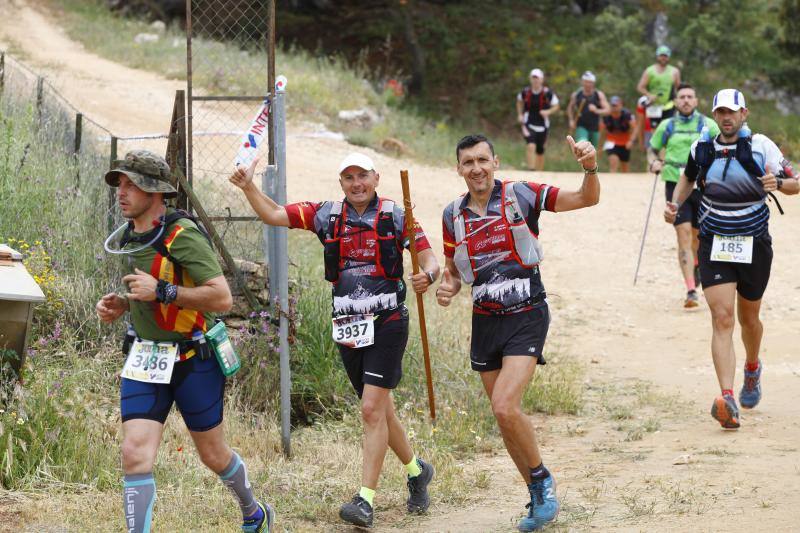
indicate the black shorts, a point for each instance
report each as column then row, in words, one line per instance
column 751, row 279
column 620, row 151
column 690, row 209
column 536, row 137
column 496, row 336
column 382, row 363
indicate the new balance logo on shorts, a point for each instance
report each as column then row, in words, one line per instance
column 532, row 349
column 717, row 276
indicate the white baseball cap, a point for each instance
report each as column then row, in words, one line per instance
column 730, row 99
column 356, row 159
column 537, row 73
column 589, row 76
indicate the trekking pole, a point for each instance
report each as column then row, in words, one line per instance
column 646, row 222
column 412, row 246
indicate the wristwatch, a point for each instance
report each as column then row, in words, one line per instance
column 166, row 292
column 431, row 277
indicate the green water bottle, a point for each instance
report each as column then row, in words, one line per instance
column 227, row 357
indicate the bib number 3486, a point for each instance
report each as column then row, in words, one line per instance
column 732, row 249
column 355, row 331
column 150, row 362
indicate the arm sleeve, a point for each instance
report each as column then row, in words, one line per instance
column 691, row 169
column 538, row 196
column 190, row 248
column 448, row 234
column 302, row 215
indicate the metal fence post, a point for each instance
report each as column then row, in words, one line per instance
column 282, row 262
column 111, row 189
column 77, row 147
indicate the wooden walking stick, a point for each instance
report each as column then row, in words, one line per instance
column 412, row 245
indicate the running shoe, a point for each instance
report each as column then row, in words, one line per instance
column 418, row 498
column 750, row 394
column 358, row 511
column 692, row 300
column 543, row 507
column 262, row 524
column 724, row 410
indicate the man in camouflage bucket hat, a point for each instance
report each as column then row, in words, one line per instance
column 147, row 170
column 176, row 288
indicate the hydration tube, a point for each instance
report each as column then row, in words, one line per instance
column 125, row 252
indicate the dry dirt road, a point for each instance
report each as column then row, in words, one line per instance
column 649, row 378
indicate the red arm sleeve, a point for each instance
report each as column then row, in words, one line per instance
column 301, row 215
column 545, row 196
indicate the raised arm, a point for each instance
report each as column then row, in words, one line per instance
column 589, row 192
column 265, row 207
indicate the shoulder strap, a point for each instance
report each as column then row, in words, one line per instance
column 335, row 215
column 668, row 131
column 384, row 220
column 459, row 226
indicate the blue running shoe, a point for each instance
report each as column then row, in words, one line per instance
column 543, row 507
column 750, row 394
column 261, row 522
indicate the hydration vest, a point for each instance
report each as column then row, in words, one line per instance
column 706, row 153
column 670, row 128
column 388, row 255
column 159, row 244
column 526, row 249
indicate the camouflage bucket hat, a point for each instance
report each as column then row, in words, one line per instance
column 149, row 171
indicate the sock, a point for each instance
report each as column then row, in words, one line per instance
column 752, row 367
column 413, row 468
column 235, row 478
column 539, row 472
column 690, row 286
column 138, row 495
column 727, row 392
column 368, row 494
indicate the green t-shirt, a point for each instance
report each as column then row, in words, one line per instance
column 660, row 84
column 684, row 133
column 198, row 262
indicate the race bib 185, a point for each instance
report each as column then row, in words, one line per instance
column 732, row 249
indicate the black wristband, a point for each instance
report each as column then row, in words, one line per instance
column 780, row 183
column 166, row 292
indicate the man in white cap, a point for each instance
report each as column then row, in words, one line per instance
column 363, row 238
column 535, row 103
column 735, row 172
column 586, row 106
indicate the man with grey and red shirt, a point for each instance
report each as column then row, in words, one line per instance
column 491, row 241
column 363, row 238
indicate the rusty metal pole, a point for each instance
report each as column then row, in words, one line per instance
column 271, row 76
column 77, row 147
column 189, row 154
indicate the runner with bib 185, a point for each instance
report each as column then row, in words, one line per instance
column 735, row 173
column 363, row 238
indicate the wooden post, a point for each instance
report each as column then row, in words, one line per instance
column 77, row 148
column 2, row 72
column 176, row 146
column 39, row 99
column 111, row 196
column 412, row 246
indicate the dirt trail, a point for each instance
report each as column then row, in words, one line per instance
column 649, row 375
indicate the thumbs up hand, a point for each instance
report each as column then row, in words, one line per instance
column 243, row 177
column 448, row 288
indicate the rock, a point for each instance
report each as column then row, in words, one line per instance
column 158, row 26
column 143, row 38
column 365, row 117
column 684, row 459
column 396, row 146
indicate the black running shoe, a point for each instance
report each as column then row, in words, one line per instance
column 418, row 498
column 358, row 511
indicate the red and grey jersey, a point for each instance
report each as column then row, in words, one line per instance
column 361, row 284
column 502, row 285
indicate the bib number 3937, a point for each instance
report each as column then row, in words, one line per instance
column 355, row 331
column 150, row 362
column 732, row 249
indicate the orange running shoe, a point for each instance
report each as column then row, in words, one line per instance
column 724, row 410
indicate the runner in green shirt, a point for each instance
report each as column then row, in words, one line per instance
column 658, row 84
column 674, row 137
